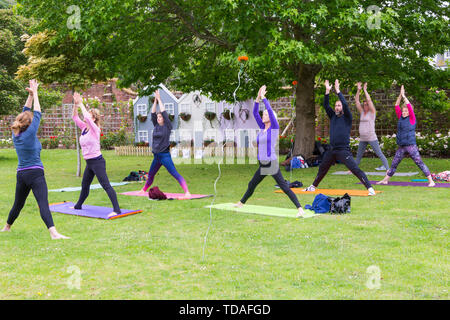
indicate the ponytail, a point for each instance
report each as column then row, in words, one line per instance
column 22, row 122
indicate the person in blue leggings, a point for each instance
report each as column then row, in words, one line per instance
column 161, row 147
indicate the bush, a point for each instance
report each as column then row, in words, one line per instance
column 6, row 143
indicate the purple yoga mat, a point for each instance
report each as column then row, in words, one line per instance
column 173, row 196
column 90, row 211
column 411, row 184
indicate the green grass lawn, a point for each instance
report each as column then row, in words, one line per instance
column 158, row 254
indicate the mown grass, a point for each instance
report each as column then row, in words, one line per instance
column 158, row 254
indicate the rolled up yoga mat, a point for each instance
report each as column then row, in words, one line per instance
column 411, row 184
column 170, row 196
column 90, row 211
column 263, row 210
column 332, row 192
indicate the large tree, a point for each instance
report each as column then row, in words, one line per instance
column 13, row 33
column 53, row 61
column 196, row 43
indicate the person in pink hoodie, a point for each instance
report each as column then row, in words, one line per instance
column 90, row 146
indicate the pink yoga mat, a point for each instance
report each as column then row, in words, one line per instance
column 170, row 196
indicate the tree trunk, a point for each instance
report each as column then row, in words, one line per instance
column 305, row 111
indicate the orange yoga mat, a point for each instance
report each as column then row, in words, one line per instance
column 332, row 192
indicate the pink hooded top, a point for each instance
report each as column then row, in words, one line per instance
column 90, row 140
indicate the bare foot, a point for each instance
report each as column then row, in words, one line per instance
column 142, row 191
column 186, row 196
column 112, row 214
column 6, row 228
column 431, row 184
column 382, row 182
column 238, row 205
column 55, row 234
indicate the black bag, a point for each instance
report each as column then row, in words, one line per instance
column 133, row 176
column 340, row 205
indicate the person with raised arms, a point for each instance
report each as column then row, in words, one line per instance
column 267, row 156
column 90, row 147
column 406, row 139
column 161, row 148
column 367, row 133
column 340, row 127
column 30, row 170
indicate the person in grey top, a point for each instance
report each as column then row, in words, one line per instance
column 367, row 133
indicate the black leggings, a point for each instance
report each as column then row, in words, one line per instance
column 344, row 156
column 27, row 180
column 258, row 177
column 97, row 167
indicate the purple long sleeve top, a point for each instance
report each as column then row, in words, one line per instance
column 266, row 139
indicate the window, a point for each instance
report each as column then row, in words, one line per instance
column 185, row 107
column 210, row 106
column 141, row 109
column 172, row 136
column 210, row 134
column 142, row 136
column 185, row 135
column 169, row 108
column 229, row 135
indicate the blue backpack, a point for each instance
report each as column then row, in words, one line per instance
column 321, row 204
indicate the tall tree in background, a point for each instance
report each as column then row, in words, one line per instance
column 52, row 62
column 13, row 31
column 197, row 42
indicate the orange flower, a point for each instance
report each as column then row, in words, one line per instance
column 242, row 58
column 294, row 82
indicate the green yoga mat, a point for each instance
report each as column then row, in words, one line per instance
column 268, row 211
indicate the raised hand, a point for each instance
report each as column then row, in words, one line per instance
column 336, row 86
column 365, row 87
column 77, row 99
column 262, row 92
column 359, row 86
column 402, row 91
column 328, row 87
column 33, row 86
column 157, row 95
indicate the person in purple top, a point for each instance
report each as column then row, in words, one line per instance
column 267, row 154
column 30, row 171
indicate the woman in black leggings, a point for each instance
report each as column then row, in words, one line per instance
column 90, row 146
column 30, row 171
column 267, row 156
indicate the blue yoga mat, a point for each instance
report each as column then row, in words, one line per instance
column 93, row 186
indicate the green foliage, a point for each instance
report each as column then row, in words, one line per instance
column 195, row 45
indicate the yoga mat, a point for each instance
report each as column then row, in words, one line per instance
column 419, row 180
column 93, row 186
column 170, row 196
column 382, row 173
column 268, row 211
column 411, row 184
column 90, row 211
column 332, row 192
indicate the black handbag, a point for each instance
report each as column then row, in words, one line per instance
column 340, row 205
